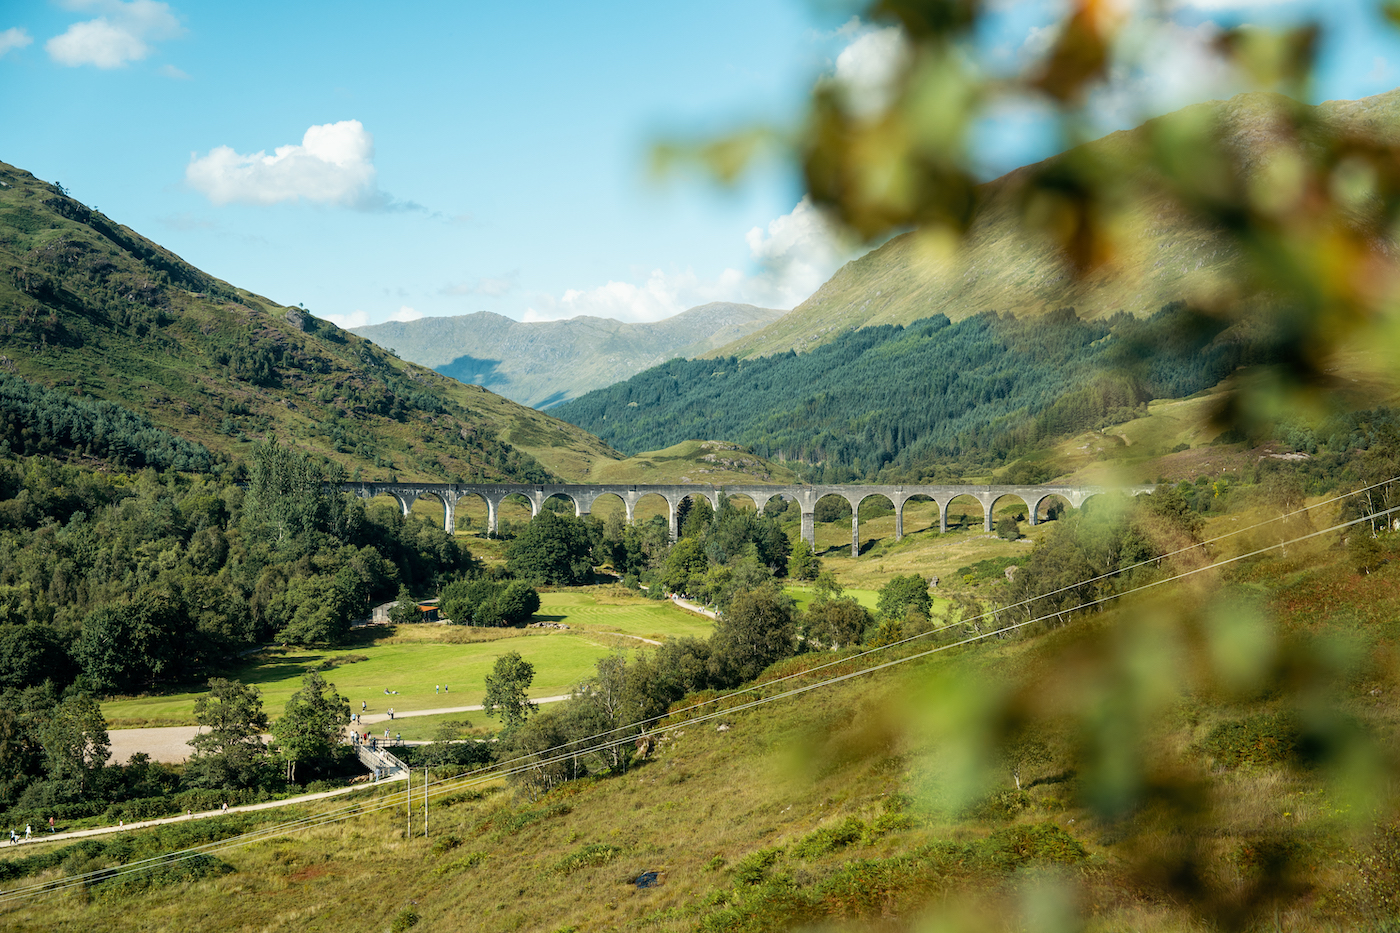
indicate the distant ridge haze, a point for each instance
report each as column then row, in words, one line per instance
column 547, row 362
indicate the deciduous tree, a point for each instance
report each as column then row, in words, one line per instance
column 310, row 727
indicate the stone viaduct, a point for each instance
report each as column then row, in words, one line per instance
column 806, row 497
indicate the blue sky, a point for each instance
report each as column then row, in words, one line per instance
column 445, row 158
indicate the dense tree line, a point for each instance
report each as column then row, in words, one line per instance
column 889, row 402
column 121, row 581
column 38, row 420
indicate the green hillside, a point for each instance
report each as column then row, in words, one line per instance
column 544, row 363
column 936, row 398
column 1131, row 769
column 94, row 309
column 1166, row 254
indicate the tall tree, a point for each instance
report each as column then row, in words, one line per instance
column 75, row 741
column 286, row 495
column 310, row 728
column 756, row 630
column 231, row 753
column 551, row 549
column 507, row 690
column 903, row 593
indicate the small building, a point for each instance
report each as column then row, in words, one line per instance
column 427, row 613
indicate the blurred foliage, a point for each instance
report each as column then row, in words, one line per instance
column 1311, row 209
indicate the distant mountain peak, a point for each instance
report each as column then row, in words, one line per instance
column 543, row 363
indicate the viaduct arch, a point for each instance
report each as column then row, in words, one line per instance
column 583, row 497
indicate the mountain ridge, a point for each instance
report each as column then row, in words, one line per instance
column 999, row 268
column 91, row 307
column 544, row 363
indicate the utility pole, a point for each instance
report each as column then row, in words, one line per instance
column 408, row 807
column 425, row 802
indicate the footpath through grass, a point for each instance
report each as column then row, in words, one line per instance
column 414, row 660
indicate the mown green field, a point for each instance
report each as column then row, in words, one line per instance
column 414, row 660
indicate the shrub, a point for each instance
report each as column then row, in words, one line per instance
column 753, row 868
column 445, row 844
column 1041, row 842
column 1259, row 741
column 829, row 839
column 470, row 860
column 593, row 854
column 407, row 918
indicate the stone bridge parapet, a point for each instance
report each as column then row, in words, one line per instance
column 584, row 495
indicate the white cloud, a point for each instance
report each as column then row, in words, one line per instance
column 122, row 34
column 334, row 164
column 1039, row 40
column 1380, row 69
column 794, row 255
column 356, row 318
column 170, row 71
column 360, row 318
column 15, row 38
column 867, row 69
column 662, row 295
column 1162, row 66
column 799, row 251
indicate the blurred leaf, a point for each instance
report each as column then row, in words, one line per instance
column 1079, row 55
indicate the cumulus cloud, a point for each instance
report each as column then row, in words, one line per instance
column 797, row 253
column 15, row 38
column 866, row 70
column 356, row 318
column 1162, row 66
column 334, row 164
column 360, row 318
column 122, row 34
column 662, row 295
column 792, row 257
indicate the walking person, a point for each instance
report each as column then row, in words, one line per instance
column 28, row 832
column 362, row 706
column 51, row 824
column 437, row 689
column 398, row 738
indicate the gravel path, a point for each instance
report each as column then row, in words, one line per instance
column 170, row 744
column 687, row 604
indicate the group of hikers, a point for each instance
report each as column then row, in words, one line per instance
column 28, row 833
column 364, row 738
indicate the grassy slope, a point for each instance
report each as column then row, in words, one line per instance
column 714, row 462
column 544, row 363
column 415, row 659
column 92, row 306
column 1164, row 256
column 709, row 799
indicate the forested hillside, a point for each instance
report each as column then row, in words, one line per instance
column 543, row 363
column 94, row 309
column 1165, row 253
column 895, row 403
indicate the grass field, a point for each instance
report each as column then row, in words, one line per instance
column 834, row 811
column 414, row 659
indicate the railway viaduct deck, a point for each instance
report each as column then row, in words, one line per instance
column 583, row 497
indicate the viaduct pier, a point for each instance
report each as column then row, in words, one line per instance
column 584, row 496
